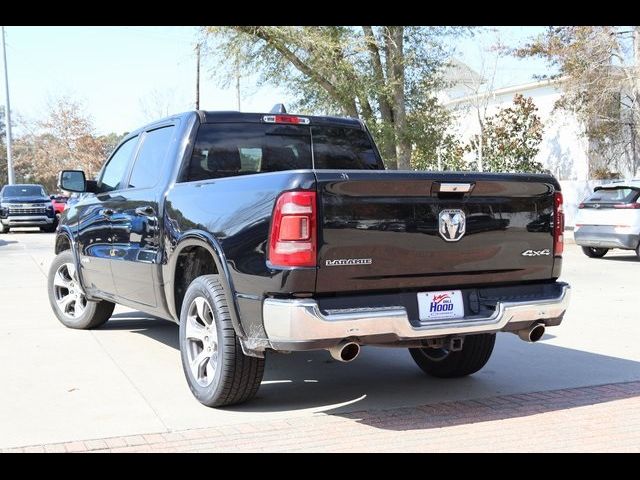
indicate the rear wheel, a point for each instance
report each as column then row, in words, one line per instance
column 593, row 252
column 638, row 251
column 444, row 363
column 216, row 369
column 67, row 297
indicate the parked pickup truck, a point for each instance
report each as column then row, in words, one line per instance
column 26, row 206
column 277, row 233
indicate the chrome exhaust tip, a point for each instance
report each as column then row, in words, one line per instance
column 533, row 333
column 345, row 351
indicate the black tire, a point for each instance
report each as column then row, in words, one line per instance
column 234, row 377
column 442, row 363
column 593, row 252
column 638, row 251
column 93, row 315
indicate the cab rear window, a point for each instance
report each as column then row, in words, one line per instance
column 344, row 148
column 232, row 149
column 613, row 195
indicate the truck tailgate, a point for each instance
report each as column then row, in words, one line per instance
column 402, row 230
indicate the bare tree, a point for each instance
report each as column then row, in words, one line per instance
column 64, row 139
column 158, row 104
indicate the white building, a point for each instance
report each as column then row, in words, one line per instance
column 564, row 149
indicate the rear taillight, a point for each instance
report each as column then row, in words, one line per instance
column 292, row 242
column 581, row 205
column 558, row 224
column 627, row 205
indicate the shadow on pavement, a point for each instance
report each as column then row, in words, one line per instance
column 386, row 379
column 6, row 242
column 156, row 328
column 620, row 258
column 29, row 230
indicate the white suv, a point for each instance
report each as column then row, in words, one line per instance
column 610, row 218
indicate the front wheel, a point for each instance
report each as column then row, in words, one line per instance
column 217, row 371
column 67, row 297
column 593, row 252
column 444, row 363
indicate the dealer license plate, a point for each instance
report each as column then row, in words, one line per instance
column 444, row 305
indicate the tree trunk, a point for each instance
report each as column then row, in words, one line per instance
column 388, row 145
column 395, row 68
column 480, row 165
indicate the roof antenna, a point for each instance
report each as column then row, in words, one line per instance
column 278, row 108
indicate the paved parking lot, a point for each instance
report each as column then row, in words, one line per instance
column 121, row 387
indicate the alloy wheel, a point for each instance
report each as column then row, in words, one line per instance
column 201, row 338
column 68, row 293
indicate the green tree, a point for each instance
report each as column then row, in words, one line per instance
column 448, row 156
column 600, row 71
column 434, row 148
column 511, row 138
column 376, row 73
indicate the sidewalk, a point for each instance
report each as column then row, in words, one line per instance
column 568, row 236
column 603, row 418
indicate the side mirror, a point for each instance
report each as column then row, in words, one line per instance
column 51, row 197
column 72, row 181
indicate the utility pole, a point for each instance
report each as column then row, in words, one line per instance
column 198, row 76
column 238, row 81
column 7, row 111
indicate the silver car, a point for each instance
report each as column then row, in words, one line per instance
column 609, row 218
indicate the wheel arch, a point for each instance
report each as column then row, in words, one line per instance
column 66, row 241
column 197, row 242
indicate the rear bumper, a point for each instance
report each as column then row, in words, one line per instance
column 27, row 221
column 300, row 324
column 606, row 236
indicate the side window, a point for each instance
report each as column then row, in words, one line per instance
column 114, row 170
column 152, row 158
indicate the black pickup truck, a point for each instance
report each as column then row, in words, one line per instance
column 276, row 232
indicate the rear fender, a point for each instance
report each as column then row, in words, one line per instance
column 206, row 240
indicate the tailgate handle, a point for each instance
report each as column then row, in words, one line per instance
column 455, row 187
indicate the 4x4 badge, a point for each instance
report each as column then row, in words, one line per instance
column 452, row 224
column 536, row 253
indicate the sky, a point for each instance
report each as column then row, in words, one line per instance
column 125, row 75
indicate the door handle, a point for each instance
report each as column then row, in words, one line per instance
column 107, row 212
column 146, row 211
